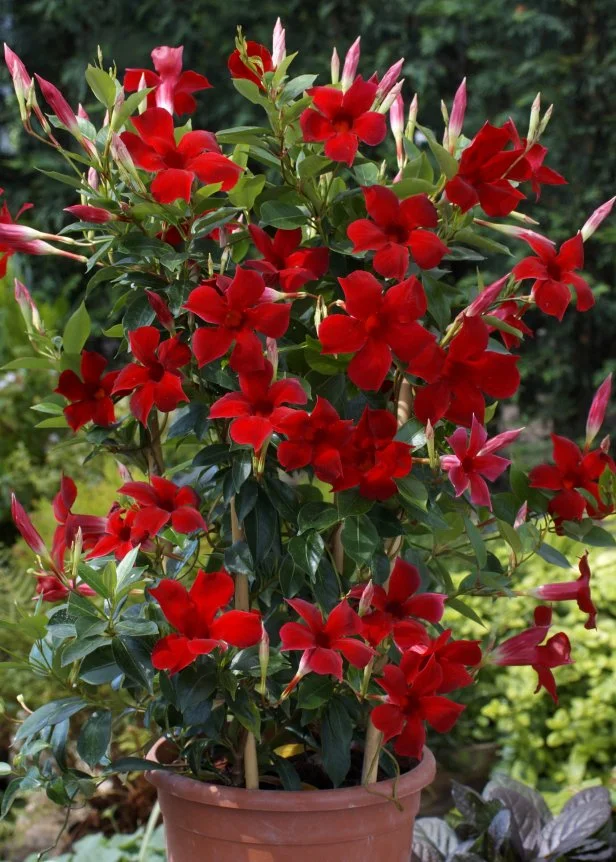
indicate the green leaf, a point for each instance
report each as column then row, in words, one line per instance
column 466, row 611
column 359, row 539
column 250, row 91
column 102, row 85
column 296, row 86
column 317, row 516
column 246, row 711
column 133, row 657
column 551, row 555
column 124, row 570
column 29, row 362
column 336, row 737
column 9, row 796
column 281, row 215
column 476, row 541
column 77, row 330
column 314, row 691
column 261, row 527
column 99, row 667
column 446, row 162
column 50, row 714
column 312, row 166
column 291, row 578
column 82, row 647
column 135, row 764
column 5, row 769
column 306, row 551
column 352, row 503
column 246, row 191
column 135, row 627
column 238, row 559
column 510, row 536
column 53, row 422
column 95, row 737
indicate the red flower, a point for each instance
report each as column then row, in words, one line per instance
column 398, row 603
column 176, row 165
column 172, row 88
column 533, row 158
column 342, row 120
column 257, row 409
column 572, row 470
column 52, row 589
column 511, row 313
column 459, row 376
column 155, row 378
column 553, row 273
column 90, row 396
column 164, row 499
column 237, row 314
column 578, row 590
column 397, row 228
column 524, row 649
column 28, row 531
column 322, row 641
column 194, row 614
column 486, row 171
column 473, row 461
column 124, row 530
column 315, row 438
column 84, row 212
column 91, row 526
column 260, row 58
column 411, row 700
column 7, row 249
column 376, row 324
column 373, row 459
column 284, row 263
column 453, row 657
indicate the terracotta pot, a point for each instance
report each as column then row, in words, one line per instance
column 209, row 823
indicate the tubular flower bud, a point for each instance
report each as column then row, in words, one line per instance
column 533, row 125
column 21, row 80
column 279, row 50
column 264, row 654
column 351, row 62
column 93, row 180
column 161, row 310
column 18, row 237
column 521, row 516
column 544, row 122
column 487, row 296
column 335, row 67
column 29, row 311
column 365, row 602
column 389, row 79
column 59, row 106
column 409, row 132
column 390, row 98
column 456, row 121
column 599, row 215
column 598, row 408
column 84, row 212
column 396, row 120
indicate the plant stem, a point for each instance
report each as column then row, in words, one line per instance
column 242, row 603
column 372, row 750
column 156, row 462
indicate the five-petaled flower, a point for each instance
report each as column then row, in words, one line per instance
column 527, row 648
column 315, row 438
column 342, row 120
column 258, row 407
column 200, row 628
column 324, row 641
column 284, row 262
column 123, row 532
column 399, row 602
column 176, row 166
column 155, row 379
column 453, row 657
column 459, row 376
column 578, row 590
column 90, row 395
column 397, row 231
column 162, row 498
column 92, row 527
column 375, row 325
column 554, row 274
column 412, row 700
column 237, row 314
column 474, row 461
column 172, row 88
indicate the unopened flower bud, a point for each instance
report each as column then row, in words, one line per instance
column 390, row 98
column 533, row 125
column 335, row 67
column 598, row 408
column 487, row 296
column 599, row 215
column 409, row 132
column 161, row 310
column 456, row 121
column 365, row 603
column 271, row 350
column 521, row 516
column 389, row 79
column 605, row 444
column 93, row 180
column 430, row 443
column 544, row 122
column 84, row 212
column 21, row 80
column 351, row 62
column 264, row 656
column 29, row 311
column 279, row 50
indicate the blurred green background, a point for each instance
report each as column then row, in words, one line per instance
column 508, row 51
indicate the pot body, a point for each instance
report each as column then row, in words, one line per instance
column 209, row 823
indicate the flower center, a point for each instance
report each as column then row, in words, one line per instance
column 397, row 233
column 100, row 393
column 372, row 324
column 233, row 319
column 322, row 640
column 342, row 122
column 468, row 463
column 157, row 371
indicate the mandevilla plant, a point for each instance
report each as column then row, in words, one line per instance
column 297, row 402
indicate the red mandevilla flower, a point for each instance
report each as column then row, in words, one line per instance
column 194, row 615
column 177, row 165
column 554, row 273
column 533, row 158
column 373, row 459
column 473, row 461
column 172, row 88
column 166, row 500
column 284, row 263
column 124, row 530
column 324, row 642
column 396, row 230
column 459, row 376
column 375, row 325
column 511, row 313
column 578, row 590
column 411, row 700
column 52, row 589
column 342, row 120
column 399, row 602
column 315, row 438
column 90, row 395
column 91, row 526
column 237, row 314
column 155, row 380
column 257, row 408
column 260, row 59
column 453, row 657
column 8, row 249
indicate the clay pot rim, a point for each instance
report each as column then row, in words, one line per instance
column 291, row 800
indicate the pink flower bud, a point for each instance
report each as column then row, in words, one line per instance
column 27, row 240
column 29, row 311
column 533, row 125
column 21, row 79
column 456, row 121
column 30, row 535
column 59, row 106
column 487, row 296
column 365, row 603
column 396, row 120
column 521, row 516
column 598, row 408
column 412, row 120
column 335, row 67
column 279, row 49
column 605, row 444
column 390, row 98
column 351, row 62
column 125, row 474
column 389, row 79
column 88, row 213
column 161, row 310
column 93, row 181
column 596, row 218
column 82, row 113
column 264, row 657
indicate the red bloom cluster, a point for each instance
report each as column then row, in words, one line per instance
column 177, row 165
column 172, row 88
column 90, row 395
column 397, row 230
column 375, row 325
column 284, row 263
column 459, row 376
column 342, row 120
column 200, row 628
column 237, row 314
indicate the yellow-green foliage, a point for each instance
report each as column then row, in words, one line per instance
column 561, row 746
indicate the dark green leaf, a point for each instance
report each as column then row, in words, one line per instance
column 95, row 737
column 49, row 714
column 77, row 330
column 359, row 539
column 317, row 516
column 281, row 215
column 306, row 551
column 336, row 736
column 133, row 657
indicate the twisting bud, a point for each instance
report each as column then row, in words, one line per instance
column 390, row 98
column 409, row 132
column 487, row 296
column 279, row 50
column 396, row 120
column 21, row 80
column 161, row 310
column 59, row 106
column 599, row 215
column 335, row 67
column 598, row 408
column 271, row 351
column 521, row 516
column 365, row 603
column 389, row 79
column 264, row 655
column 544, row 122
column 82, row 114
column 456, row 121
column 93, row 180
column 430, row 443
column 351, row 62
column 533, row 125
column 84, row 212
column 29, row 311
